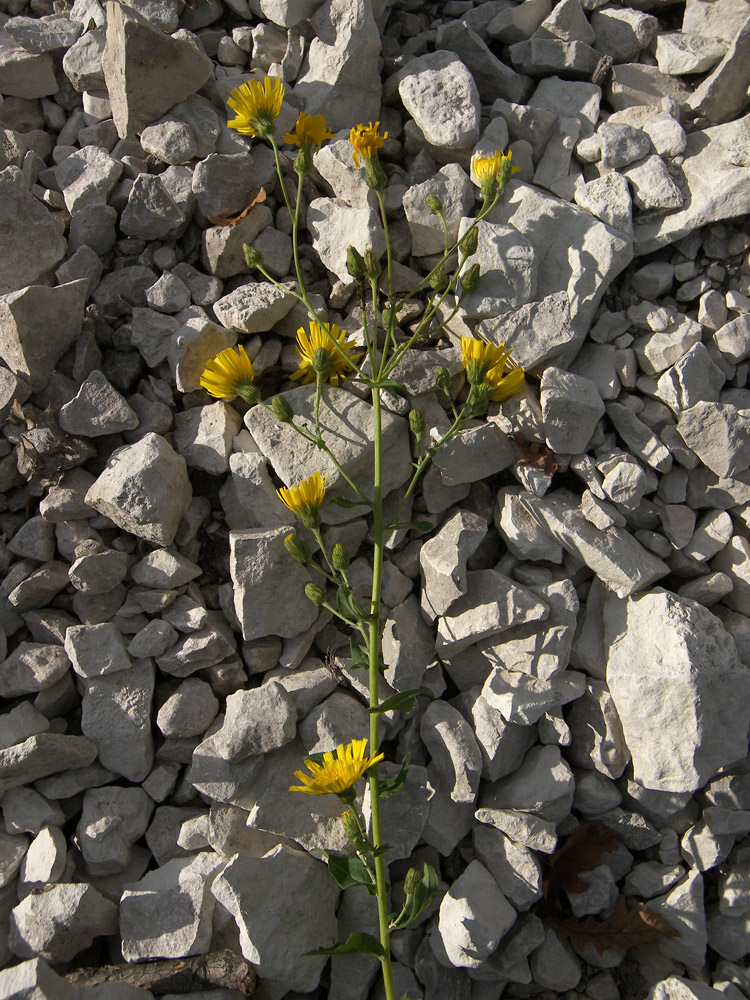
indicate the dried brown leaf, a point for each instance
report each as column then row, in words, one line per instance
column 621, row 930
column 581, row 852
column 537, row 454
column 232, row 220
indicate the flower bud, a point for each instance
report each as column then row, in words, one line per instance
column 303, row 161
column 470, row 278
column 375, row 176
column 412, row 881
column 321, row 363
column 470, row 241
column 434, row 204
column 479, row 398
column 282, row 409
column 340, row 558
column 388, row 316
column 297, row 549
column 372, row 265
column 253, row 258
column 315, row 593
column 443, row 381
column 349, row 824
column 249, row 393
column 439, row 280
column 417, row 424
column 355, row 263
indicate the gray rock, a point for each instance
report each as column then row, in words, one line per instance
column 440, row 94
column 87, row 177
column 608, row 198
column 543, row 785
column 514, row 867
column 189, row 711
column 151, row 212
column 225, row 183
column 25, row 74
column 113, row 818
column 334, row 226
column 537, row 331
column 679, row 749
column 32, row 667
column 253, row 307
column 508, row 266
column 623, row 32
column 82, row 62
column 298, row 892
column 200, row 648
column 571, row 408
column 59, row 921
column 443, row 561
column 116, row 716
column 97, row 409
column 598, row 739
column 723, row 94
column 540, row 56
column 522, row 828
column 474, row 917
column 492, row 77
column 456, row 193
column 652, row 185
column 683, row 908
column 203, row 436
column 146, row 70
column 515, row 24
column 622, row 144
column 734, row 561
column 456, row 757
column 144, row 489
column 35, row 977
column 45, row 861
column 95, row 650
column 719, row 434
column 256, row 722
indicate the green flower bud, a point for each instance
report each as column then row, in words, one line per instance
column 479, row 397
column 315, row 593
column 417, row 424
column 469, row 242
column 372, row 265
column 253, row 258
column 349, row 824
column 282, row 409
column 303, row 161
column 340, row 557
column 443, row 381
column 412, row 881
column 355, row 263
column 470, row 278
column 321, row 363
column 388, row 316
column 298, row 549
column 434, row 204
column 375, row 176
column 439, row 280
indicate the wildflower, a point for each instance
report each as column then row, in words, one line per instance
column 298, row 549
column 366, row 141
column 336, row 775
column 434, row 204
column 355, row 263
column 311, row 130
column 470, row 278
column 340, row 557
column 319, row 357
column 230, row 374
column 351, row 827
column 493, row 172
column 257, row 105
column 315, row 593
column 485, row 366
column 253, row 258
column 282, row 409
column 305, row 499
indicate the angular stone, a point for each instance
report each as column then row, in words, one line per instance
column 151, row 212
column 734, row 561
column 719, row 434
column 623, row 33
column 346, row 424
column 597, row 737
column 493, row 78
column 723, row 94
column 608, row 198
column 443, row 561
column 634, row 84
column 203, row 436
column 116, row 716
column 298, row 892
column 256, row 722
column 614, row 555
column 164, row 569
column 87, row 177
column 456, row 193
column 733, row 338
column 542, row 56
column 253, row 307
column 146, row 70
column 653, row 187
column 25, row 74
column 180, row 925
column 42, row 755
column 32, row 667
column 59, row 921
column 335, row 226
column 571, row 408
column 683, row 907
column 536, row 331
column 97, row 409
column 543, row 785
column 569, row 98
column 662, row 673
column 144, row 489
column 509, row 270
column 474, row 916
column 678, row 53
column 113, row 818
column 95, row 650
column 408, row 646
column 523, row 828
column 440, row 94
column 454, row 751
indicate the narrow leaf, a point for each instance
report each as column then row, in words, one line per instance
column 348, row 871
column 343, row 502
column 355, row 944
column 402, row 701
column 393, row 784
column 425, row 891
column 359, row 657
column 411, row 526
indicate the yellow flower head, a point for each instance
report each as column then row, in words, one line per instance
column 230, row 374
column 310, row 130
column 257, row 105
column 485, row 366
column 493, row 171
column 336, row 775
column 366, row 141
column 329, row 355
column 305, row 499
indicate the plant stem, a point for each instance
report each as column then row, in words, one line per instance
column 374, row 678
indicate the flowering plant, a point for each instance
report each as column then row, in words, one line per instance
column 327, row 354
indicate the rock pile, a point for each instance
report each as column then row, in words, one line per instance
column 578, row 618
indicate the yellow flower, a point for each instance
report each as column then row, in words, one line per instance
column 485, row 366
column 230, row 374
column 493, row 171
column 366, row 141
column 336, row 775
column 319, row 356
column 311, row 130
column 257, row 105
column 305, row 499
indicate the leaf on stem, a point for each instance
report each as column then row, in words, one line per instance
column 349, row 871
column 402, row 701
column 359, row 657
column 355, row 944
column 346, row 604
column 411, row 525
column 425, row 890
column 393, row 784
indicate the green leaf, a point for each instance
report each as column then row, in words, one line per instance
column 347, row 605
column 344, row 502
column 316, row 758
column 355, row 944
column 411, row 526
column 349, row 871
column 425, row 891
column 360, row 660
column 393, row 784
column 402, row 701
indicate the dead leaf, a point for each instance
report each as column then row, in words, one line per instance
column 581, row 852
column 622, row 930
column 43, row 451
column 220, row 220
column 537, row 454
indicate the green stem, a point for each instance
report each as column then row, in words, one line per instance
column 374, row 678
